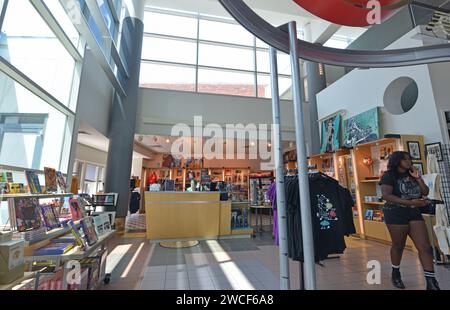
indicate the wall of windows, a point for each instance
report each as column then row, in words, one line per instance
column 39, row 81
column 196, row 53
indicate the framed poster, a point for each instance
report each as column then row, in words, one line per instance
column 436, row 149
column 331, row 130
column 414, row 150
column 419, row 167
column 362, row 128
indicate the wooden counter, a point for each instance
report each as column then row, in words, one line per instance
column 186, row 215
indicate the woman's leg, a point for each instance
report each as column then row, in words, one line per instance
column 419, row 235
column 398, row 233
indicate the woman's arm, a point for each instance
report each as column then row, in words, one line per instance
column 386, row 191
column 425, row 190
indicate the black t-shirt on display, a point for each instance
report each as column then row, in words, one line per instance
column 331, row 214
column 403, row 185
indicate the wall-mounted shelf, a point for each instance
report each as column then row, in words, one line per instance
column 371, row 181
column 374, row 203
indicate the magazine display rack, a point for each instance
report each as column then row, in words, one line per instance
column 63, row 262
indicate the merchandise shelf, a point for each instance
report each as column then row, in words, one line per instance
column 75, row 254
column 39, row 196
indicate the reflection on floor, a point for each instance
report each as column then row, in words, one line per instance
column 252, row 264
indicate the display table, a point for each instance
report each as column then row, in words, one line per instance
column 182, row 215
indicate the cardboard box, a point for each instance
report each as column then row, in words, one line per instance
column 11, row 261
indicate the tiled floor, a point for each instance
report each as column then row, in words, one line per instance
column 252, row 264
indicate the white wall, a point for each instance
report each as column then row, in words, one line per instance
column 440, row 77
column 95, row 95
column 159, row 110
column 89, row 154
column 361, row 90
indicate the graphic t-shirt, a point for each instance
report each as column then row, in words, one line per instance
column 403, row 185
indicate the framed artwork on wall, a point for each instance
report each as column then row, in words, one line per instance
column 419, row 166
column 362, row 128
column 434, row 148
column 414, row 150
column 331, row 132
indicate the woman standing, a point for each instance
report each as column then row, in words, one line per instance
column 404, row 191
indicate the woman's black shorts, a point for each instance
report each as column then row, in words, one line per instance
column 397, row 215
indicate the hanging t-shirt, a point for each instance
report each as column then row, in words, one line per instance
column 327, row 215
column 403, row 185
column 331, row 213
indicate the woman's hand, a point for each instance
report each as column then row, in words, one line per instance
column 417, row 203
column 415, row 173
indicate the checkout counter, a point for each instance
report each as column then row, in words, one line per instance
column 189, row 215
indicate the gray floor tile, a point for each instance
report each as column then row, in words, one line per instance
column 152, row 285
column 176, row 275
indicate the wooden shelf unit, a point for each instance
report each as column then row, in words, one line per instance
column 367, row 184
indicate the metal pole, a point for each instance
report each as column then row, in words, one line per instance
column 303, row 182
column 278, row 152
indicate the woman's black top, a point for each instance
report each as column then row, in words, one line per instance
column 403, row 185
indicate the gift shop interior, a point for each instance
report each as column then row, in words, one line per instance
column 224, row 145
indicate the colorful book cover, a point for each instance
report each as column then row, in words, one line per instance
column 99, row 226
column 33, row 182
column 87, row 224
column 65, row 239
column 51, row 185
column 75, row 209
column 4, row 188
column 61, row 181
column 54, row 249
column 50, row 219
column 6, row 177
column 9, row 177
column 16, row 188
column 76, row 233
column 28, row 214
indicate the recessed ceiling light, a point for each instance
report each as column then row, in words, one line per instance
column 167, row 140
column 252, row 143
column 269, row 144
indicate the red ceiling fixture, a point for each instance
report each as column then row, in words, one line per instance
column 350, row 12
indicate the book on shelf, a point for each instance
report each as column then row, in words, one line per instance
column 51, row 219
column 378, row 215
column 75, row 209
column 65, row 239
column 6, row 177
column 35, row 235
column 4, row 188
column 54, row 249
column 76, row 233
column 51, row 185
column 102, row 224
column 88, row 227
column 33, row 182
column 369, row 215
column 28, row 213
column 61, row 181
column 16, row 188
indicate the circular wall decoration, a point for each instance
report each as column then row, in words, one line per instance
column 350, row 12
column 401, row 95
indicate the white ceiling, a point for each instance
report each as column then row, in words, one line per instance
column 277, row 12
column 90, row 137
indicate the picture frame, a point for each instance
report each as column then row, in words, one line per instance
column 414, row 150
column 434, row 148
column 419, row 166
